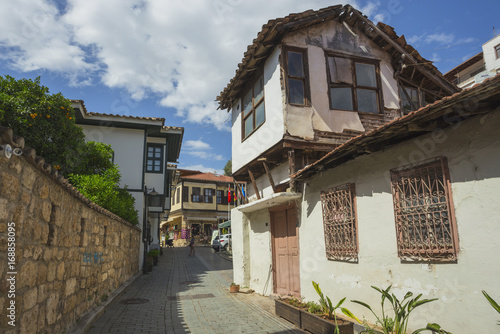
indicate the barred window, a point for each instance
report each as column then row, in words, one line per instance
column 423, row 208
column 340, row 222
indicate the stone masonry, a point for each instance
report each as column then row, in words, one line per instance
column 70, row 254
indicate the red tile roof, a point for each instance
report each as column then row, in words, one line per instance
column 209, row 177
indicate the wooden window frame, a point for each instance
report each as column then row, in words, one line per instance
column 497, row 51
column 426, row 228
column 304, row 79
column 340, row 215
column 420, row 93
column 196, row 194
column 153, row 146
column 255, row 104
column 208, row 195
column 354, row 86
column 177, row 196
column 185, row 194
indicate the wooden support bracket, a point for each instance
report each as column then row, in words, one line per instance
column 268, row 172
column 254, row 184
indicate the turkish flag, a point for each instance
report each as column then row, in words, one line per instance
column 229, row 195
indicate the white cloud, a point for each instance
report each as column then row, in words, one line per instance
column 201, row 150
column 202, row 168
column 182, row 53
column 196, row 145
column 438, row 38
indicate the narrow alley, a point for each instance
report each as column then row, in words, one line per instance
column 190, row 295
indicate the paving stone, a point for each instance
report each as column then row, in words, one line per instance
column 189, row 295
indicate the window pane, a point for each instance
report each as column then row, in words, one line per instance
column 340, row 70
column 157, row 168
column 367, row 100
column 258, row 89
column 296, row 91
column 341, row 98
column 248, row 125
column 260, row 114
column 295, row 64
column 365, row 75
column 247, row 103
column 150, row 154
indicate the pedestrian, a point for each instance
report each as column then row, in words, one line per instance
column 191, row 246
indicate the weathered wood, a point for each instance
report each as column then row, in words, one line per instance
column 268, row 172
column 291, row 162
column 254, row 184
column 440, row 82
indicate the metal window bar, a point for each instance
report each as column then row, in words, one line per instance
column 425, row 222
column 340, row 222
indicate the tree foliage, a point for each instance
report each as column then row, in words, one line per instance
column 46, row 121
column 228, row 168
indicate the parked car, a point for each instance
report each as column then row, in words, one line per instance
column 225, row 240
column 216, row 243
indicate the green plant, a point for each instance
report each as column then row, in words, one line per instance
column 154, row 253
column 314, row 308
column 398, row 324
column 492, row 302
column 328, row 308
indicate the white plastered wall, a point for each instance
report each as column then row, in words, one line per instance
column 492, row 63
column 128, row 145
column 472, row 152
column 271, row 131
column 337, row 37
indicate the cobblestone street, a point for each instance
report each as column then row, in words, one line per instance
column 189, row 295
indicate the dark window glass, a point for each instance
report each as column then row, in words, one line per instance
column 297, row 77
column 367, row 100
column 341, row 98
column 253, row 108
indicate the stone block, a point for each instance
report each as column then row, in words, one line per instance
column 3, row 226
column 42, row 273
column 28, row 321
column 70, row 286
column 27, row 274
column 52, row 308
column 51, row 271
column 25, row 196
column 4, row 213
column 69, row 304
column 46, row 210
column 18, row 218
column 60, row 271
column 41, row 187
column 41, row 318
column 15, row 165
column 9, row 186
column 28, row 178
column 30, row 298
column 43, row 292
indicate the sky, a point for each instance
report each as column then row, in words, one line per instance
column 172, row 58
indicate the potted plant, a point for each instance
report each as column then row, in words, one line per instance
column 154, row 253
column 401, row 310
column 233, row 288
column 149, row 264
column 322, row 317
column 290, row 309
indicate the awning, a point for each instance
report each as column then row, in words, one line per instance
column 268, row 202
column 225, row 224
column 211, row 219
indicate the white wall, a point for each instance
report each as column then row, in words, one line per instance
column 490, row 58
column 271, row 130
column 472, row 151
column 128, row 145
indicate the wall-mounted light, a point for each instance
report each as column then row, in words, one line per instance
column 5, row 151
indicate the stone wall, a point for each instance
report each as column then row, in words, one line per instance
column 70, row 254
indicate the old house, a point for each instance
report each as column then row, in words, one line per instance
column 199, row 204
column 485, row 64
column 145, row 150
column 307, row 84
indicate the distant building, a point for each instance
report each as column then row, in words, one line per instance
column 199, row 205
column 144, row 149
column 484, row 65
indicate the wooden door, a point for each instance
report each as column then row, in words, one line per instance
column 285, row 242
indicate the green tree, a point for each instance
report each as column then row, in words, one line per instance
column 228, row 168
column 46, row 121
column 95, row 158
column 103, row 190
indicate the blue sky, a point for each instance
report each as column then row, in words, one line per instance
column 171, row 58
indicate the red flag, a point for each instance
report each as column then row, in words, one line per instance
column 229, row 195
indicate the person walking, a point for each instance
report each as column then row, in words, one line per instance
column 191, row 246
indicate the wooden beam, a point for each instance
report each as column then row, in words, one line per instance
column 291, row 162
column 268, row 172
column 450, row 89
column 254, row 184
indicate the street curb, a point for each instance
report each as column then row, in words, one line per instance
column 223, row 257
column 90, row 318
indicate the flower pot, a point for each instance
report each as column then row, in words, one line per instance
column 288, row 312
column 318, row 325
column 155, row 260
column 234, row 288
